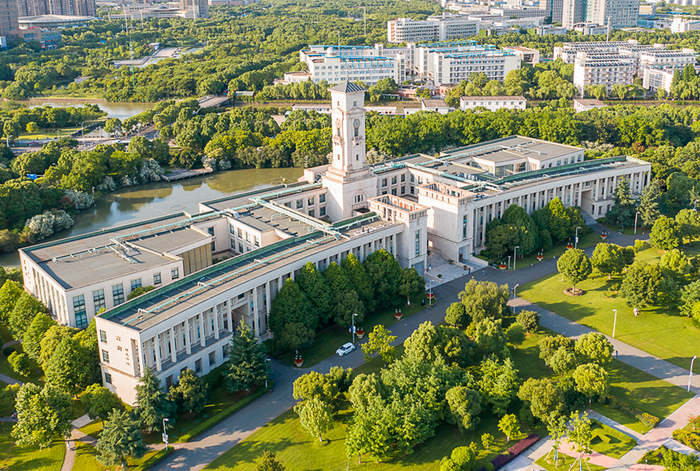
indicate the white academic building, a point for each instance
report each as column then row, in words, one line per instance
column 405, row 206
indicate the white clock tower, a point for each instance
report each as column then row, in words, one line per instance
column 349, row 181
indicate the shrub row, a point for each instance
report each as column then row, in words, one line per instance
column 647, row 419
column 687, row 438
column 512, row 452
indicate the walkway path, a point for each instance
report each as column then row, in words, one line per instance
column 196, row 454
column 8, row 380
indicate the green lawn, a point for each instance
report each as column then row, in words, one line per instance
column 29, row 458
column 610, row 442
column 642, row 391
column 47, row 134
column 659, row 331
column 86, row 459
column 585, row 241
column 330, row 338
column 564, row 464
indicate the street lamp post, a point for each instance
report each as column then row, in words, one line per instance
column 509, row 262
column 576, row 238
column 690, row 375
column 353, row 328
column 515, row 255
column 430, row 290
column 514, row 288
column 635, row 222
column 165, row 433
column 614, row 322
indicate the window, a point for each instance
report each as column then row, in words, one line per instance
column 403, row 177
column 156, row 279
column 108, row 378
column 383, row 181
column 464, row 228
column 247, row 237
column 103, row 336
column 79, row 310
column 240, row 248
column 105, row 356
column 198, row 366
column 231, row 230
column 212, row 359
column 233, row 244
column 118, row 294
column 403, row 190
column 322, row 212
column 210, row 230
column 322, row 198
column 418, row 242
column 98, row 297
column 240, row 233
column 225, row 351
column 393, row 191
column 311, row 201
column 175, row 273
column 393, row 180
column 135, row 284
column 300, row 204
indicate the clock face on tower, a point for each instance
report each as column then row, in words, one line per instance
column 356, row 123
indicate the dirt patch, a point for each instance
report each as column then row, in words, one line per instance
column 571, row 292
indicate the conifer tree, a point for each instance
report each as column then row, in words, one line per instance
column 312, row 283
column 120, row 439
column 152, row 404
column 247, row 367
column 650, row 203
column 624, row 205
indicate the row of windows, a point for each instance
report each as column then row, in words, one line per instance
column 99, row 301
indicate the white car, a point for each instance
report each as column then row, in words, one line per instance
column 345, row 349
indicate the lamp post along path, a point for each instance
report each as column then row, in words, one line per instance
column 690, row 375
column 614, row 322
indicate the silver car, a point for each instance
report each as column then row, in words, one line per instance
column 345, row 349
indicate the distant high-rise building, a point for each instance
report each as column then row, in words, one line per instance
column 33, row 7
column 8, row 16
column 554, row 9
column 614, row 13
column 199, row 7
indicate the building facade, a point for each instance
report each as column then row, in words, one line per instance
column 554, row 9
column 602, row 69
column 406, row 206
column 493, row 103
column 8, row 17
column 434, row 28
column 614, row 13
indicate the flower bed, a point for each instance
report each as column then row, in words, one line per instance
column 513, row 452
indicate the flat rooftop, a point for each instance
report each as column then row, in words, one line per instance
column 160, row 304
column 509, row 148
column 81, row 260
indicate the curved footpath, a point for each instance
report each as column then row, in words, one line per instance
column 196, row 454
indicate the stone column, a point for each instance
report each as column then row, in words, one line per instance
column 255, row 311
column 202, row 332
column 189, row 336
column 156, row 345
column 216, row 323
column 173, row 347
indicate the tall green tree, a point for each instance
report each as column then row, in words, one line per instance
column 543, row 396
column 20, row 363
column 465, row 407
column 665, row 234
column 359, row 280
column 36, row 331
column 456, row 315
column 385, row 275
column 509, row 426
column 591, row 380
column 484, row 299
column 9, row 295
column 608, row 259
column 574, row 266
column 26, row 308
column 559, row 220
column 580, row 435
column 498, row 384
column 50, row 341
column 191, row 392
column 624, row 205
column 152, row 404
column 313, row 285
column 641, row 283
column 247, row 367
column 379, row 343
column 675, row 263
column 315, row 416
column 66, row 369
column 462, row 458
column 489, row 335
column 120, row 439
column 689, row 222
column 99, row 402
column 292, row 317
column 594, row 347
column 650, row 203
column 42, row 415
column 411, row 283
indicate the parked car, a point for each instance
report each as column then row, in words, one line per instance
column 345, row 349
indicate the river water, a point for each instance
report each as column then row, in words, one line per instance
column 113, row 109
column 142, row 202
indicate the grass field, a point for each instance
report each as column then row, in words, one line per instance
column 610, row 442
column 659, row 331
column 330, row 338
column 86, row 459
column 564, row 464
column 47, row 134
column 585, row 240
column 29, row 458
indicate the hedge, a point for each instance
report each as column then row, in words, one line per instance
column 647, row 419
column 215, row 419
column 513, row 452
column 153, row 460
column 687, row 438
